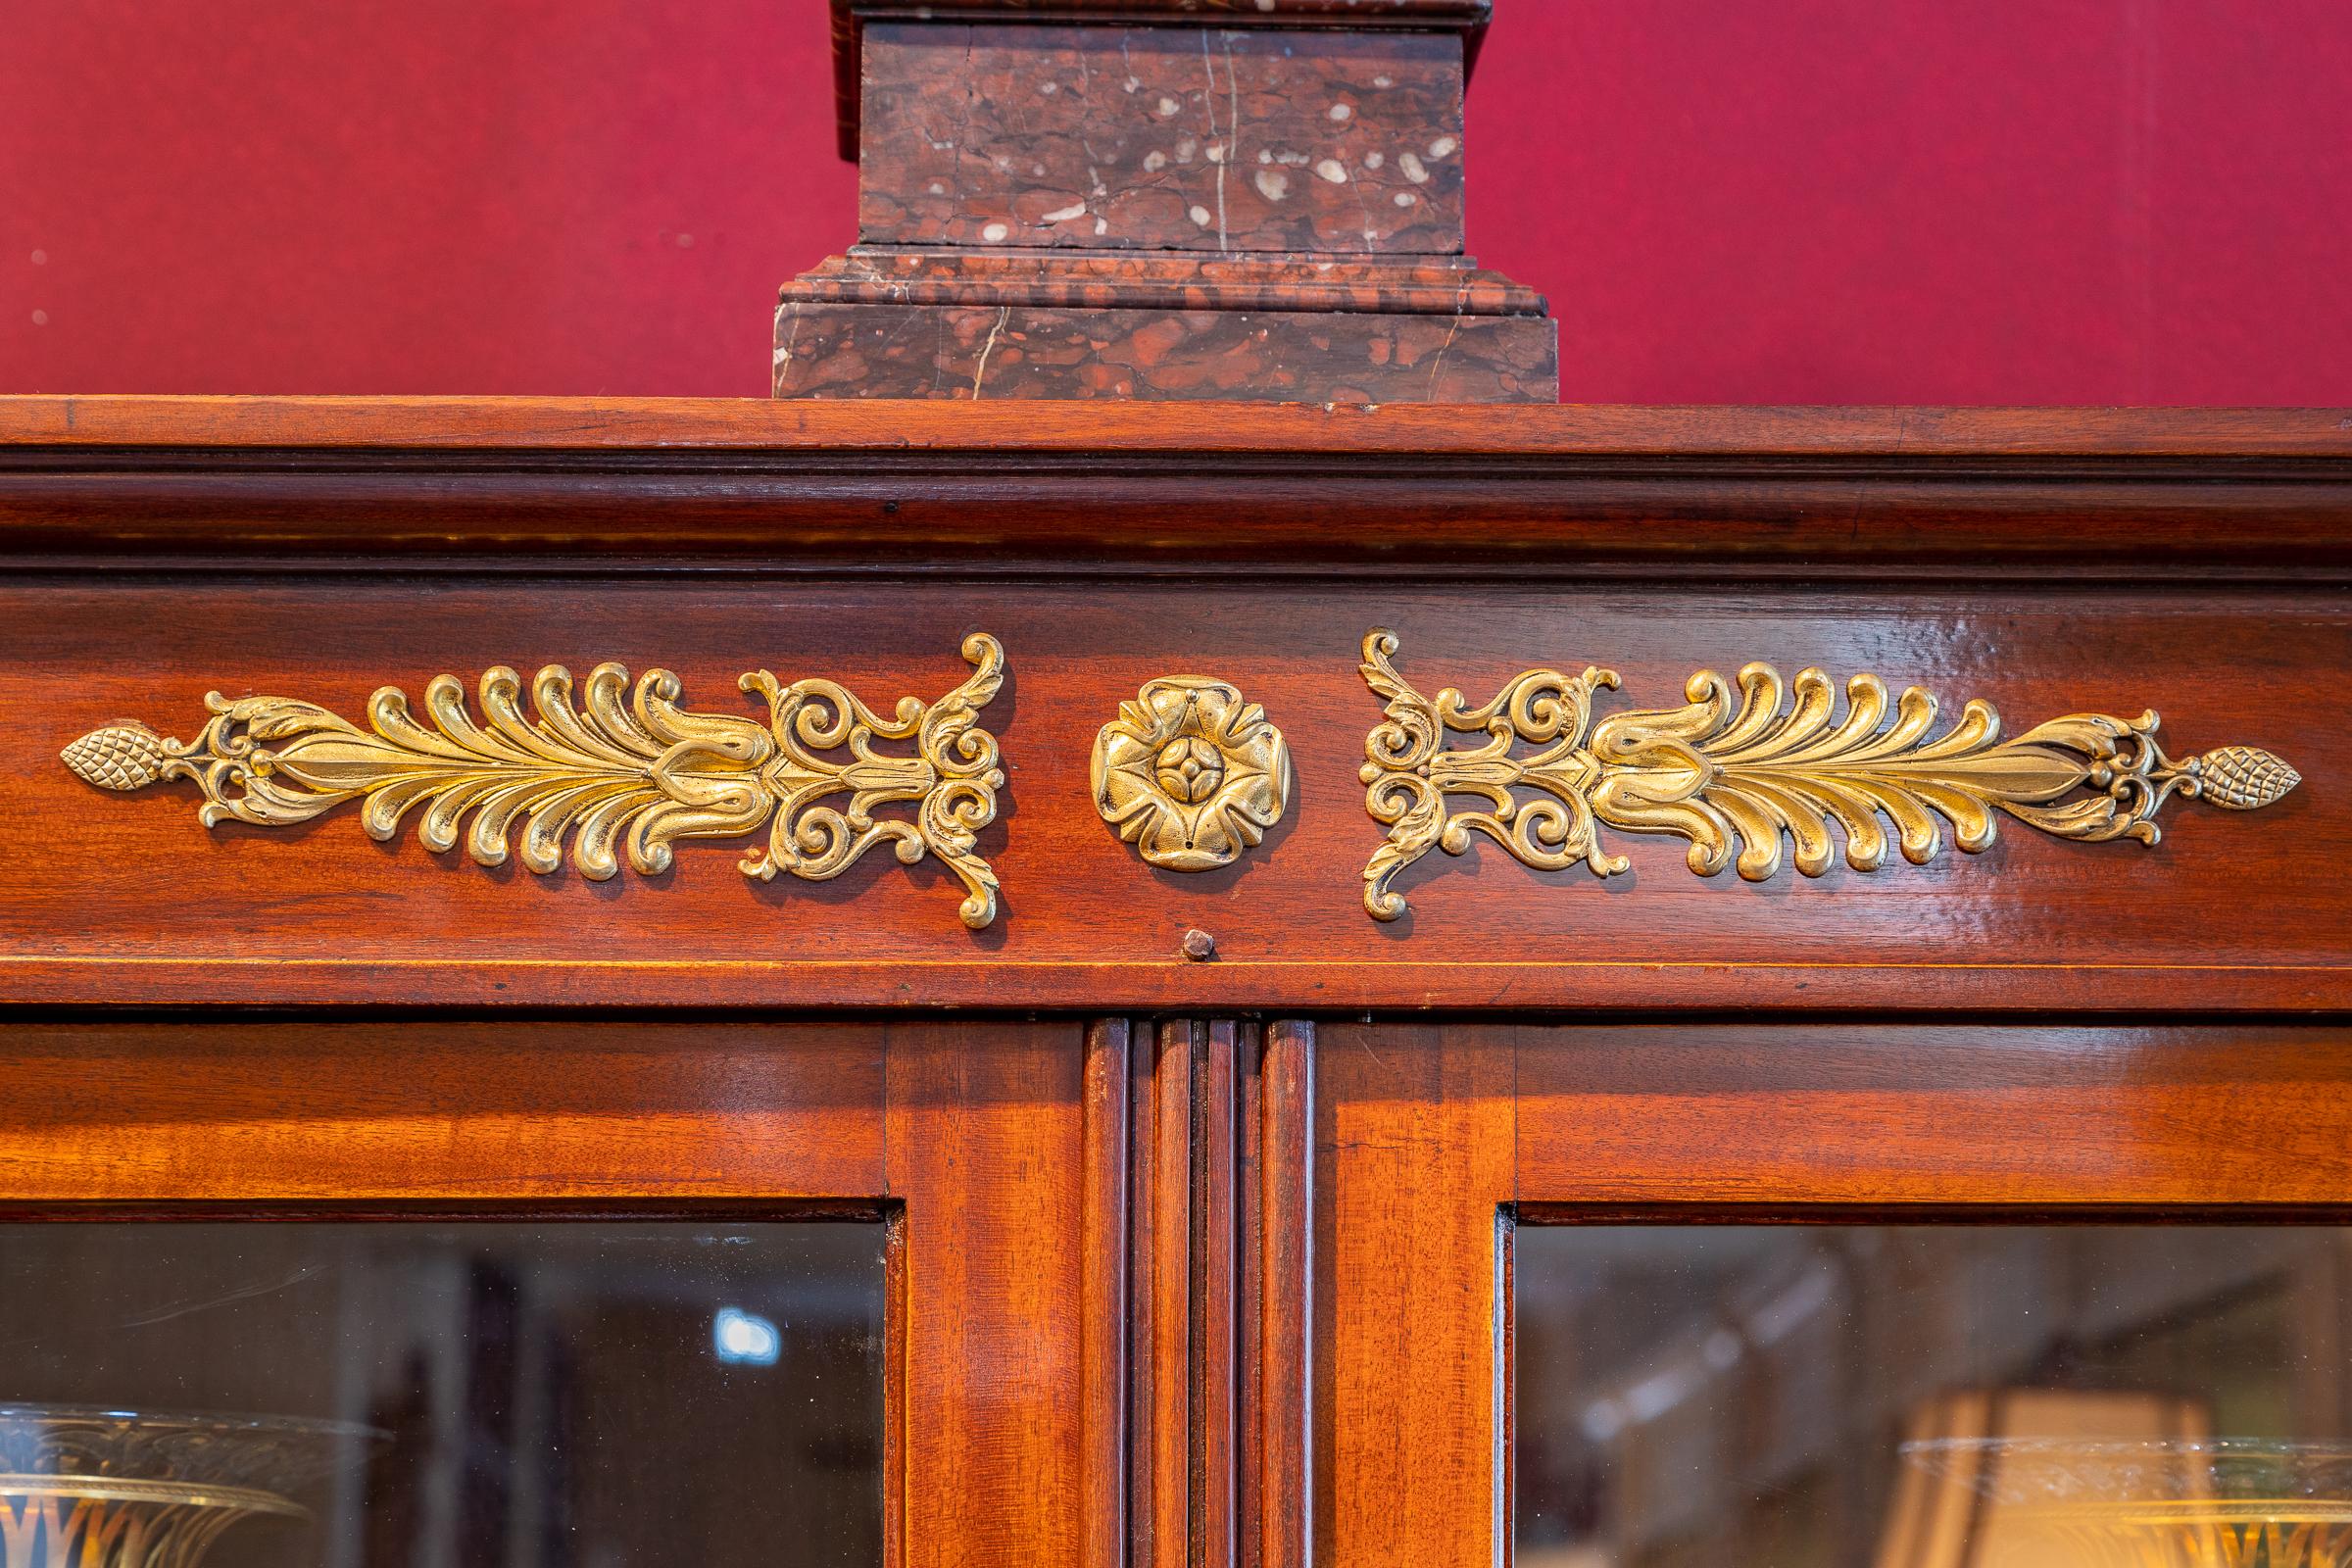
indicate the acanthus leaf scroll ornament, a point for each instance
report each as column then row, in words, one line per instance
column 1754, row 772
column 625, row 773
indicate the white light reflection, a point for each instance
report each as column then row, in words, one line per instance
column 745, row 1338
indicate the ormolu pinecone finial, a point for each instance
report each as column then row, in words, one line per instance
column 2240, row 778
column 127, row 756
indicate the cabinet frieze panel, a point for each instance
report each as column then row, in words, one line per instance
column 1754, row 772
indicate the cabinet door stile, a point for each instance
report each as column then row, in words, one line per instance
column 1284, row 1362
column 1102, row 1329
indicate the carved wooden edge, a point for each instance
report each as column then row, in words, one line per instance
column 627, row 772
column 901, row 985
column 1220, row 1204
column 105, row 483
column 1217, row 1467
column 1284, row 1363
column 1160, row 1496
column 116, row 429
column 1740, row 773
column 1108, row 1289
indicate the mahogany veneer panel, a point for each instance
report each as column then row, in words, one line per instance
column 1163, row 1321
column 1107, row 1287
column 290, row 1111
column 127, row 897
column 1871, row 440
column 1886, row 1113
column 1413, row 1150
column 985, row 1145
column 1277, row 1472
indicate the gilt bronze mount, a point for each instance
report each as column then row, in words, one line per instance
column 1739, row 769
column 629, row 773
column 1189, row 773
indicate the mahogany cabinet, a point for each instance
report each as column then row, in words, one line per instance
column 1326, row 1035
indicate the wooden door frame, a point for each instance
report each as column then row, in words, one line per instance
column 1434, row 1141
column 1158, row 1368
column 976, row 1141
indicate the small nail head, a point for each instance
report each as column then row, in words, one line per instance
column 1200, row 946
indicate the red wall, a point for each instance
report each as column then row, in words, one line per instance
column 2001, row 201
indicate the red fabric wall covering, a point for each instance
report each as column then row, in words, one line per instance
column 1792, row 201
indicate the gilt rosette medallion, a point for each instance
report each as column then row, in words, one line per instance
column 1191, row 773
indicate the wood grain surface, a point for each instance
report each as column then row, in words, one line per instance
column 1076, row 489
column 1164, row 1326
column 423, row 424
column 986, row 1155
column 1296, row 1304
column 1413, row 1167
column 1936, row 1114
column 278, row 1109
column 1279, row 1480
column 1108, row 1289
column 1217, row 1271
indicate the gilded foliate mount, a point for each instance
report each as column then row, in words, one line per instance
column 627, row 773
column 1742, row 771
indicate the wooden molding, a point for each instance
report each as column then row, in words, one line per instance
column 589, row 485
column 1279, row 1470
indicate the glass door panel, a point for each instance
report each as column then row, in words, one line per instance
column 1951, row 1396
column 392, row 1394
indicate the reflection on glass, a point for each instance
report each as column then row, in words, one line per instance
column 86, row 1487
column 1933, row 1396
column 2155, row 1502
column 561, row 1395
